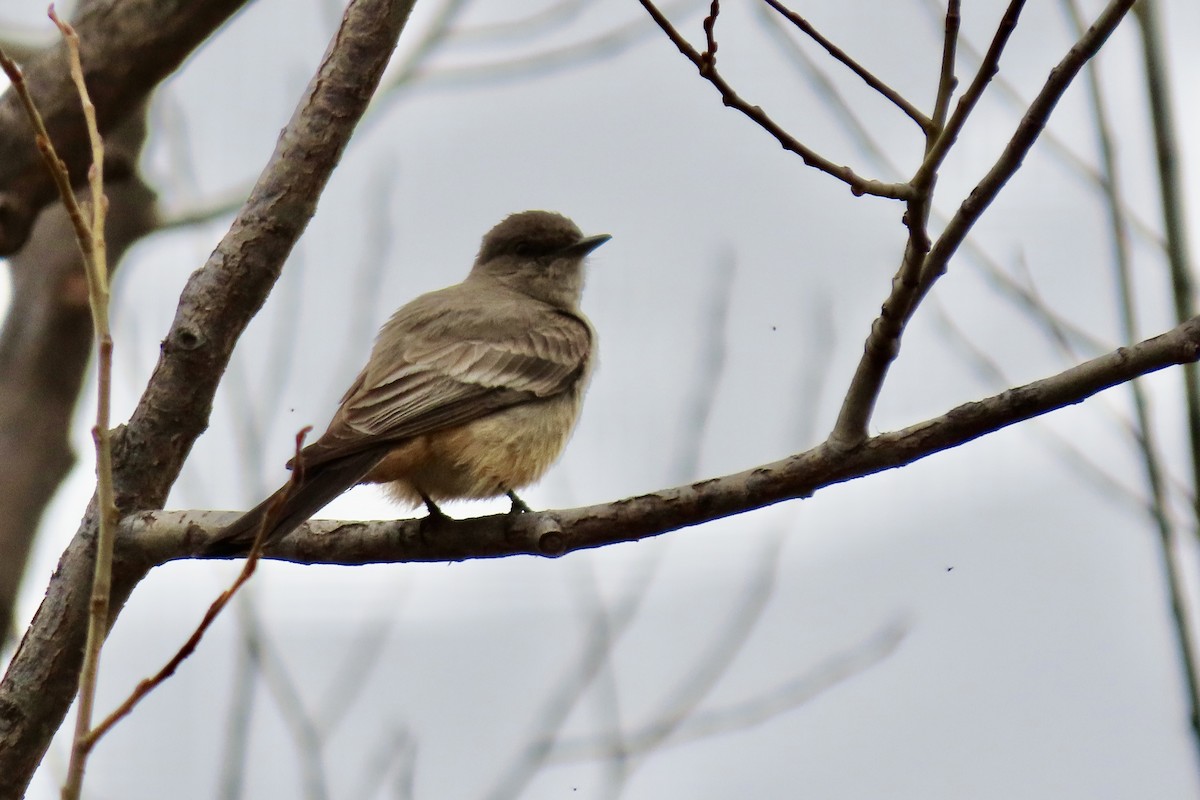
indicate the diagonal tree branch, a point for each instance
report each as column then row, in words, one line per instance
column 883, row 343
column 217, row 303
column 897, row 99
column 706, row 65
column 129, row 47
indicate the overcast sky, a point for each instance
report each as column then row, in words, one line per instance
column 989, row 623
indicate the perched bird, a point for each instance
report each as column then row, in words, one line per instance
column 470, row 391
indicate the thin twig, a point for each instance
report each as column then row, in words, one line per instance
column 538, row 64
column 1106, row 481
column 901, row 102
column 883, row 342
column 708, row 58
column 147, row 685
column 858, row 184
column 535, row 23
column 288, row 701
column 56, row 166
column 1061, row 330
column 723, row 649
column 1183, row 292
column 966, row 104
column 712, row 347
column 748, row 713
column 1027, row 132
column 947, row 80
column 90, row 237
column 1179, row 261
column 604, row 631
column 1054, row 143
column 236, row 737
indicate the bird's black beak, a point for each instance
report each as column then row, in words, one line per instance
column 585, row 245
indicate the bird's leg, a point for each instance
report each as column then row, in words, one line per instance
column 434, row 512
column 518, row 505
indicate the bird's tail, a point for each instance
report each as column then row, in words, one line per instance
column 293, row 503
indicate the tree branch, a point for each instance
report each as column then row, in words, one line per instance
column 897, row 99
column 883, row 342
column 129, row 47
column 858, row 184
column 159, row 537
column 217, row 303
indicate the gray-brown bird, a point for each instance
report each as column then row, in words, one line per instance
column 470, row 392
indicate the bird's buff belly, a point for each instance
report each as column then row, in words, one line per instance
column 486, row 458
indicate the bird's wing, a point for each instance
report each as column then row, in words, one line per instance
column 464, row 365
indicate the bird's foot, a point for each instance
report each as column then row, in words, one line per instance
column 435, row 514
column 518, row 505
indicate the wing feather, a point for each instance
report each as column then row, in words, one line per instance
column 438, row 365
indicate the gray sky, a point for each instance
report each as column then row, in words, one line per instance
column 1037, row 658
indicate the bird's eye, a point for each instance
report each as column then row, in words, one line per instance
column 523, row 249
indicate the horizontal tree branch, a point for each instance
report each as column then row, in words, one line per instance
column 159, row 537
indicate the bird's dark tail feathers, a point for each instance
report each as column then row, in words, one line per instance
column 293, row 503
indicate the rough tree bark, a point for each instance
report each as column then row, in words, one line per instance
column 218, row 302
column 128, row 48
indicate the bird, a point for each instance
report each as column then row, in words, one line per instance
column 470, row 392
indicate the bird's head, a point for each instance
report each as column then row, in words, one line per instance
column 538, row 253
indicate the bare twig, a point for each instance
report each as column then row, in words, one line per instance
column 712, row 349
column 858, row 184
column 129, row 48
column 288, row 700
column 1179, row 261
column 1027, row 132
column 236, row 738
column 604, row 630
column 914, row 113
column 536, row 22
column 1054, row 143
column 947, row 80
column 90, row 237
column 147, row 685
column 883, row 343
column 36, row 689
column 1077, row 458
column 1060, row 329
column 727, row 643
column 1166, row 148
column 748, row 713
column 57, row 170
column 413, row 73
column 966, row 104
column 708, row 58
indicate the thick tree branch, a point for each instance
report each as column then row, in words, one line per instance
column 217, row 303
column 159, row 537
column 129, row 47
